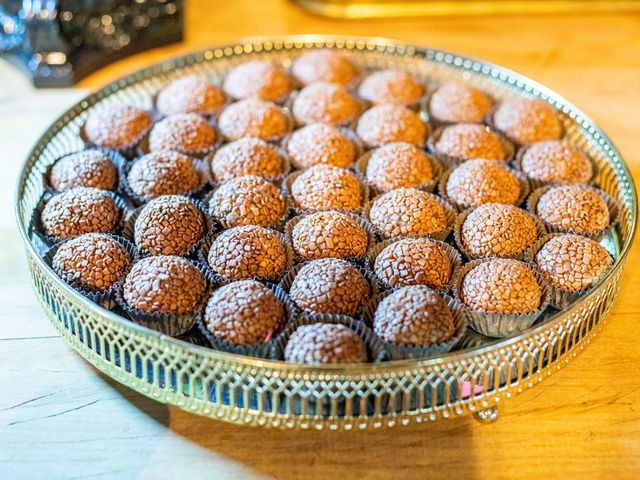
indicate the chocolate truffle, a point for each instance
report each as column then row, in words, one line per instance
column 80, row 210
column 573, row 263
column 470, row 140
column 94, row 261
column 477, row 182
column 247, row 200
column 116, row 126
column 169, row 225
column 324, row 102
column 246, row 156
column 407, row 212
column 325, row 343
column 258, row 79
column 329, row 235
column 245, row 312
column 253, row 118
column 187, row 133
column 391, row 86
column 323, row 66
column 248, row 252
column 89, row 168
column 397, row 165
column 163, row 173
column 325, row 187
column 413, row 261
column 190, row 94
column 573, row 208
column 497, row 230
column 390, row 123
column 414, row 316
column 458, row 103
column 556, row 161
column 330, row 285
column 164, row 284
column 320, row 144
column 501, row 285
column 526, row 121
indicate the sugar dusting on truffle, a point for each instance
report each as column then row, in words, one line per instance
column 526, row 120
column 323, row 66
column 320, row 343
column 326, row 187
column 320, row 144
column 477, row 182
column 397, row 165
column 253, row 118
column 324, row 102
column 190, row 94
column 116, row 126
column 470, row 140
column 391, row 86
column 259, row 79
column 556, row 161
column 88, row 168
column 163, row 173
column 457, row 103
column 390, row 123
column 187, row 133
column 573, row 208
column 246, row 156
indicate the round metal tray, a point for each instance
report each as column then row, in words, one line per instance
column 258, row 392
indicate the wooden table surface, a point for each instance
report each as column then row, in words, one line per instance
column 61, row 419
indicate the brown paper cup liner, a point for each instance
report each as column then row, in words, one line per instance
column 297, row 210
column 203, row 257
column 612, row 204
column 104, row 298
column 129, row 151
column 361, row 107
column 444, row 178
column 457, row 235
column 129, row 229
column 266, row 349
column 287, row 281
column 116, row 158
column 49, row 240
column 172, row 324
column 560, row 299
column 450, row 212
column 453, row 161
column 499, row 325
column 536, row 183
column 455, row 260
column 397, row 351
column 489, row 121
column 363, row 223
column 374, row 346
column 439, row 123
column 350, row 134
column 360, row 168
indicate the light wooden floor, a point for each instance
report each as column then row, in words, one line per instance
column 60, row 419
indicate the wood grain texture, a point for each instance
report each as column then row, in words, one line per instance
column 60, row 419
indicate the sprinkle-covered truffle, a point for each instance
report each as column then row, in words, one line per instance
column 573, row 208
column 169, row 225
column 116, row 126
column 320, row 144
column 248, row 252
column 497, row 230
column 477, row 182
column 329, row 235
column 391, row 86
column 247, row 200
column 244, row 312
column 320, row 343
column 323, row 66
column 501, row 285
column 190, row 94
column 407, row 212
column 330, row 285
column 526, row 121
column 253, row 118
column 80, row 210
column 164, row 284
column 163, row 173
column 93, row 261
column 89, row 168
column 413, row 261
column 187, row 133
column 573, row 263
column 458, row 103
column 258, row 79
column 390, row 123
column 398, row 165
column 414, row 315
column 470, row 140
column 324, row 102
column 325, row 187
column 556, row 161
column 246, row 156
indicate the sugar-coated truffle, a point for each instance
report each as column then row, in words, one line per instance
column 190, row 94
column 556, row 161
column 459, row 103
column 325, row 187
column 323, row 66
column 246, row 156
column 88, row 168
column 253, row 118
column 187, row 133
column 116, row 126
column 390, row 123
column 526, row 120
column 324, row 102
column 163, row 173
column 398, row 165
column 470, row 140
column 573, row 208
column 325, row 343
column 258, row 79
column 391, row 86
column 320, row 144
